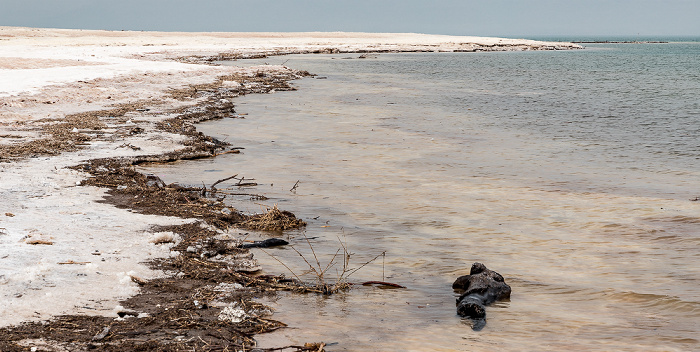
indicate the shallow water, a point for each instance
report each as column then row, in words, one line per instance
column 570, row 173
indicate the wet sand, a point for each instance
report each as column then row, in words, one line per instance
column 68, row 100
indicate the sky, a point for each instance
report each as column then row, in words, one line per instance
column 503, row 18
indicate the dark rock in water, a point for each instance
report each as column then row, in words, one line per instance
column 481, row 287
column 270, row 242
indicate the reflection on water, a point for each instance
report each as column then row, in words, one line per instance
column 590, row 225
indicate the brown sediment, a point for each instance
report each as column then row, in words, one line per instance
column 260, row 82
column 60, row 135
column 209, row 271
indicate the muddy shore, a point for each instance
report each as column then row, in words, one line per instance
column 93, row 106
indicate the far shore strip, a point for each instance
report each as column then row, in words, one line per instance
column 51, row 73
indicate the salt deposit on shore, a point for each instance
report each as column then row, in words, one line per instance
column 51, row 73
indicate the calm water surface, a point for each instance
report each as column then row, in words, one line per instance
column 570, row 173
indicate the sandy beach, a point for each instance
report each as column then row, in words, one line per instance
column 71, row 101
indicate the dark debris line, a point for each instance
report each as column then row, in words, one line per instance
column 176, row 312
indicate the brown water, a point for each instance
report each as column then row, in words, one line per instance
column 592, row 228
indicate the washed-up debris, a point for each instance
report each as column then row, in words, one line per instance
column 139, row 281
column 163, row 237
column 38, row 241
column 129, row 145
column 70, row 262
column 62, row 135
column 233, row 314
column 102, row 334
column 179, row 305
column 314, row 347
column 127, row 313
column 270, row 242
column 273, row 220
column 382, row 284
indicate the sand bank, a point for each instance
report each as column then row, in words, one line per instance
column 70, row 96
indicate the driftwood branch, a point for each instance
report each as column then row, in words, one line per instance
column 243, row 184
column 251, row 195
column 382, row 283
column 213, row 186
column 74, row 262
column 308, row 347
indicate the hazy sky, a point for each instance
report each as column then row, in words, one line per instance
column 511, row 18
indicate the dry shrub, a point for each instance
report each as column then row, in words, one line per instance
column 273, row 220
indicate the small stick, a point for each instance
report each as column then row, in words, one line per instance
column 275, row 258
column 382, row 283
column 74, row 262
column 383, row 257
column 346, row 255
column 331, row 262
column 213, row 186
column 365, row 264
column 294, row 188
column 235, row 151
column 307, row 263
column 315, row 257
column 258, row 196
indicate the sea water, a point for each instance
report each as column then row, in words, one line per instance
column 574, row 174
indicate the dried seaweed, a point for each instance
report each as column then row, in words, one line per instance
column 273, row 220
column 65, row 135
column 179, row 312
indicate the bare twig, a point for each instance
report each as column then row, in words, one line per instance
column 318, row 270
column 318, row 264
column 346, row 255
column 213, row 186
column 331, row 262
column 383, row 260
column 284, row 265
column 259, row 196
column 74, row 262
column 244, row 184
column 383, row 283
column 307, row 262
column 365, row 264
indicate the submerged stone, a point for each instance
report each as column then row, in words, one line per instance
column 481, row 287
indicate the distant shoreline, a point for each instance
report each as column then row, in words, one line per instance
column 619, row 42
